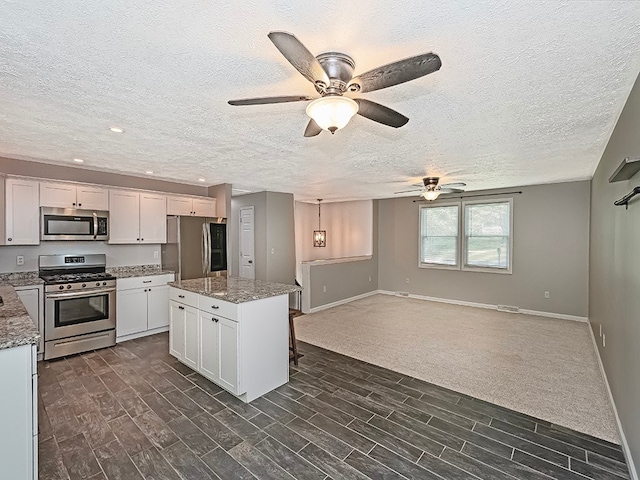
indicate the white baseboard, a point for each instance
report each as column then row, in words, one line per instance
column 488, row 306
column 146, row 333
column 625, row 446
column 342, row 302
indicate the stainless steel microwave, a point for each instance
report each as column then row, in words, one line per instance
column 72, row 224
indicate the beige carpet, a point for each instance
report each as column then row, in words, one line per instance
column 539, row 366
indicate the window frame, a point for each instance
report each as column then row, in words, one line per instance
column 463, row 250
column 461, row 242
column 440, row 266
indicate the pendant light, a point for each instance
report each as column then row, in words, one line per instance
column 319, row 236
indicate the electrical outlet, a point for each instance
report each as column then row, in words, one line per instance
column 600, row 329
column 406, row 280
column 20, row 260
column 324, row 288
column 156, row 254
column 273, row 251
column 604, row 340
column 546, row 294
column 369, row 277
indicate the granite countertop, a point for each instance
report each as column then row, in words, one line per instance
column 16, row 326
column 20, row 279
column 137, row 271
column 234, row 289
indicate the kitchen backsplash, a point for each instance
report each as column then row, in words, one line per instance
column 117, row 255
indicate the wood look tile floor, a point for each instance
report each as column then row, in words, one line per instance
column 134, row 412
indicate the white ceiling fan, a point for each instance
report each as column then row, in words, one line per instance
column 431, row 190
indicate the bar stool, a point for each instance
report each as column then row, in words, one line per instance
column 293, row 345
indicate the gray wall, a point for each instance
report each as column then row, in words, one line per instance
column 222, row 194
column 614, row 281
column 56, row 172
column 348, row 279
column 551, row 242
column 273, row 228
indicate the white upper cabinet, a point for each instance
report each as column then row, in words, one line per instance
column 185, row 206
column 137, row 217
column 153, row 218
column 22, row 212
column 67, row 195
column 204, row 207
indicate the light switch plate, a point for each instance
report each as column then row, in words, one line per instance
column 20, row 260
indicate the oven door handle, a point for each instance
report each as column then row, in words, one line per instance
column 83, row 293
column 95, row 225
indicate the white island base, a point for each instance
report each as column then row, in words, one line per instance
column 242, row 347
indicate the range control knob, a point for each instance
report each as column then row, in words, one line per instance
column 84, row 285
column 61, row 287
column 97, row 284
column 104, row 283
column 68, row 287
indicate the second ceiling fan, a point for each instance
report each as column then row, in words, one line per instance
column 332, row 76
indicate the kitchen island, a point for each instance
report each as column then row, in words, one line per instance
column 233, row 331
column 18, row 378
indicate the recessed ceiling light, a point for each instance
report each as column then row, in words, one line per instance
column 116, row 129
column 201, row 179
column 148, row 172
column 78, row 160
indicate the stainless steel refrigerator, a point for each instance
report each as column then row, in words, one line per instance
column 196, row 247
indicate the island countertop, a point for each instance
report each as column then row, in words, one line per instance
column 16, row 326
column 234, row 289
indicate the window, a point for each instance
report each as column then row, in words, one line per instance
column 439, row 235
column 487, row 241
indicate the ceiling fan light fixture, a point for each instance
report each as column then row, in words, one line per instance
column 332, row 112
column 432, row 193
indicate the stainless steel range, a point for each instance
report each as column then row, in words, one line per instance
column 80, row 304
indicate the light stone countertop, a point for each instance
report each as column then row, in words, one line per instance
column 137, row 271
column 20, row 279
column 16, row 326
column 235, row 289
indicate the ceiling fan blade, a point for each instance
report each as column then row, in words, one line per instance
column 298, row 55
column 312, row 129
column 451, row 190
column 398, row 72
column 407, row 191
column 454, row 185
column 267, row 100
column 379, row 113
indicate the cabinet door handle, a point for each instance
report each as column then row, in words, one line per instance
column 74, row 204
column 79, row 204
column 137, row 239
column 181, row 307
column 214, row 319
column 215, row 307
column 180, row 296
column 9, row 239
column 146, row 281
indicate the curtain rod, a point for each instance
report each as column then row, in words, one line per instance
column 469, row 196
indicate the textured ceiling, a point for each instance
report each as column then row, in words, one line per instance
column 528, row 93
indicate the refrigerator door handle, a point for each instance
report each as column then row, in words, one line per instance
column 206, row 249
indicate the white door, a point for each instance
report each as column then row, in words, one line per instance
column 158, row 307
column 228, row 348
column 22, row 212
column 191, row 337
column 58, row 195
column 176, row 329
column 131, row 311
column 247, row 245
column 92, row 198
column 124, row 211
column 153, row 218
column 209, row 351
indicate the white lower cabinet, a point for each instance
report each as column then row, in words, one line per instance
column 243, row 347
column 19, row 413
column 33, row 300
column 142, row 306
column 218, row 339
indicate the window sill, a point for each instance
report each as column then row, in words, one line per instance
column 502, row 271
column 435, row 266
